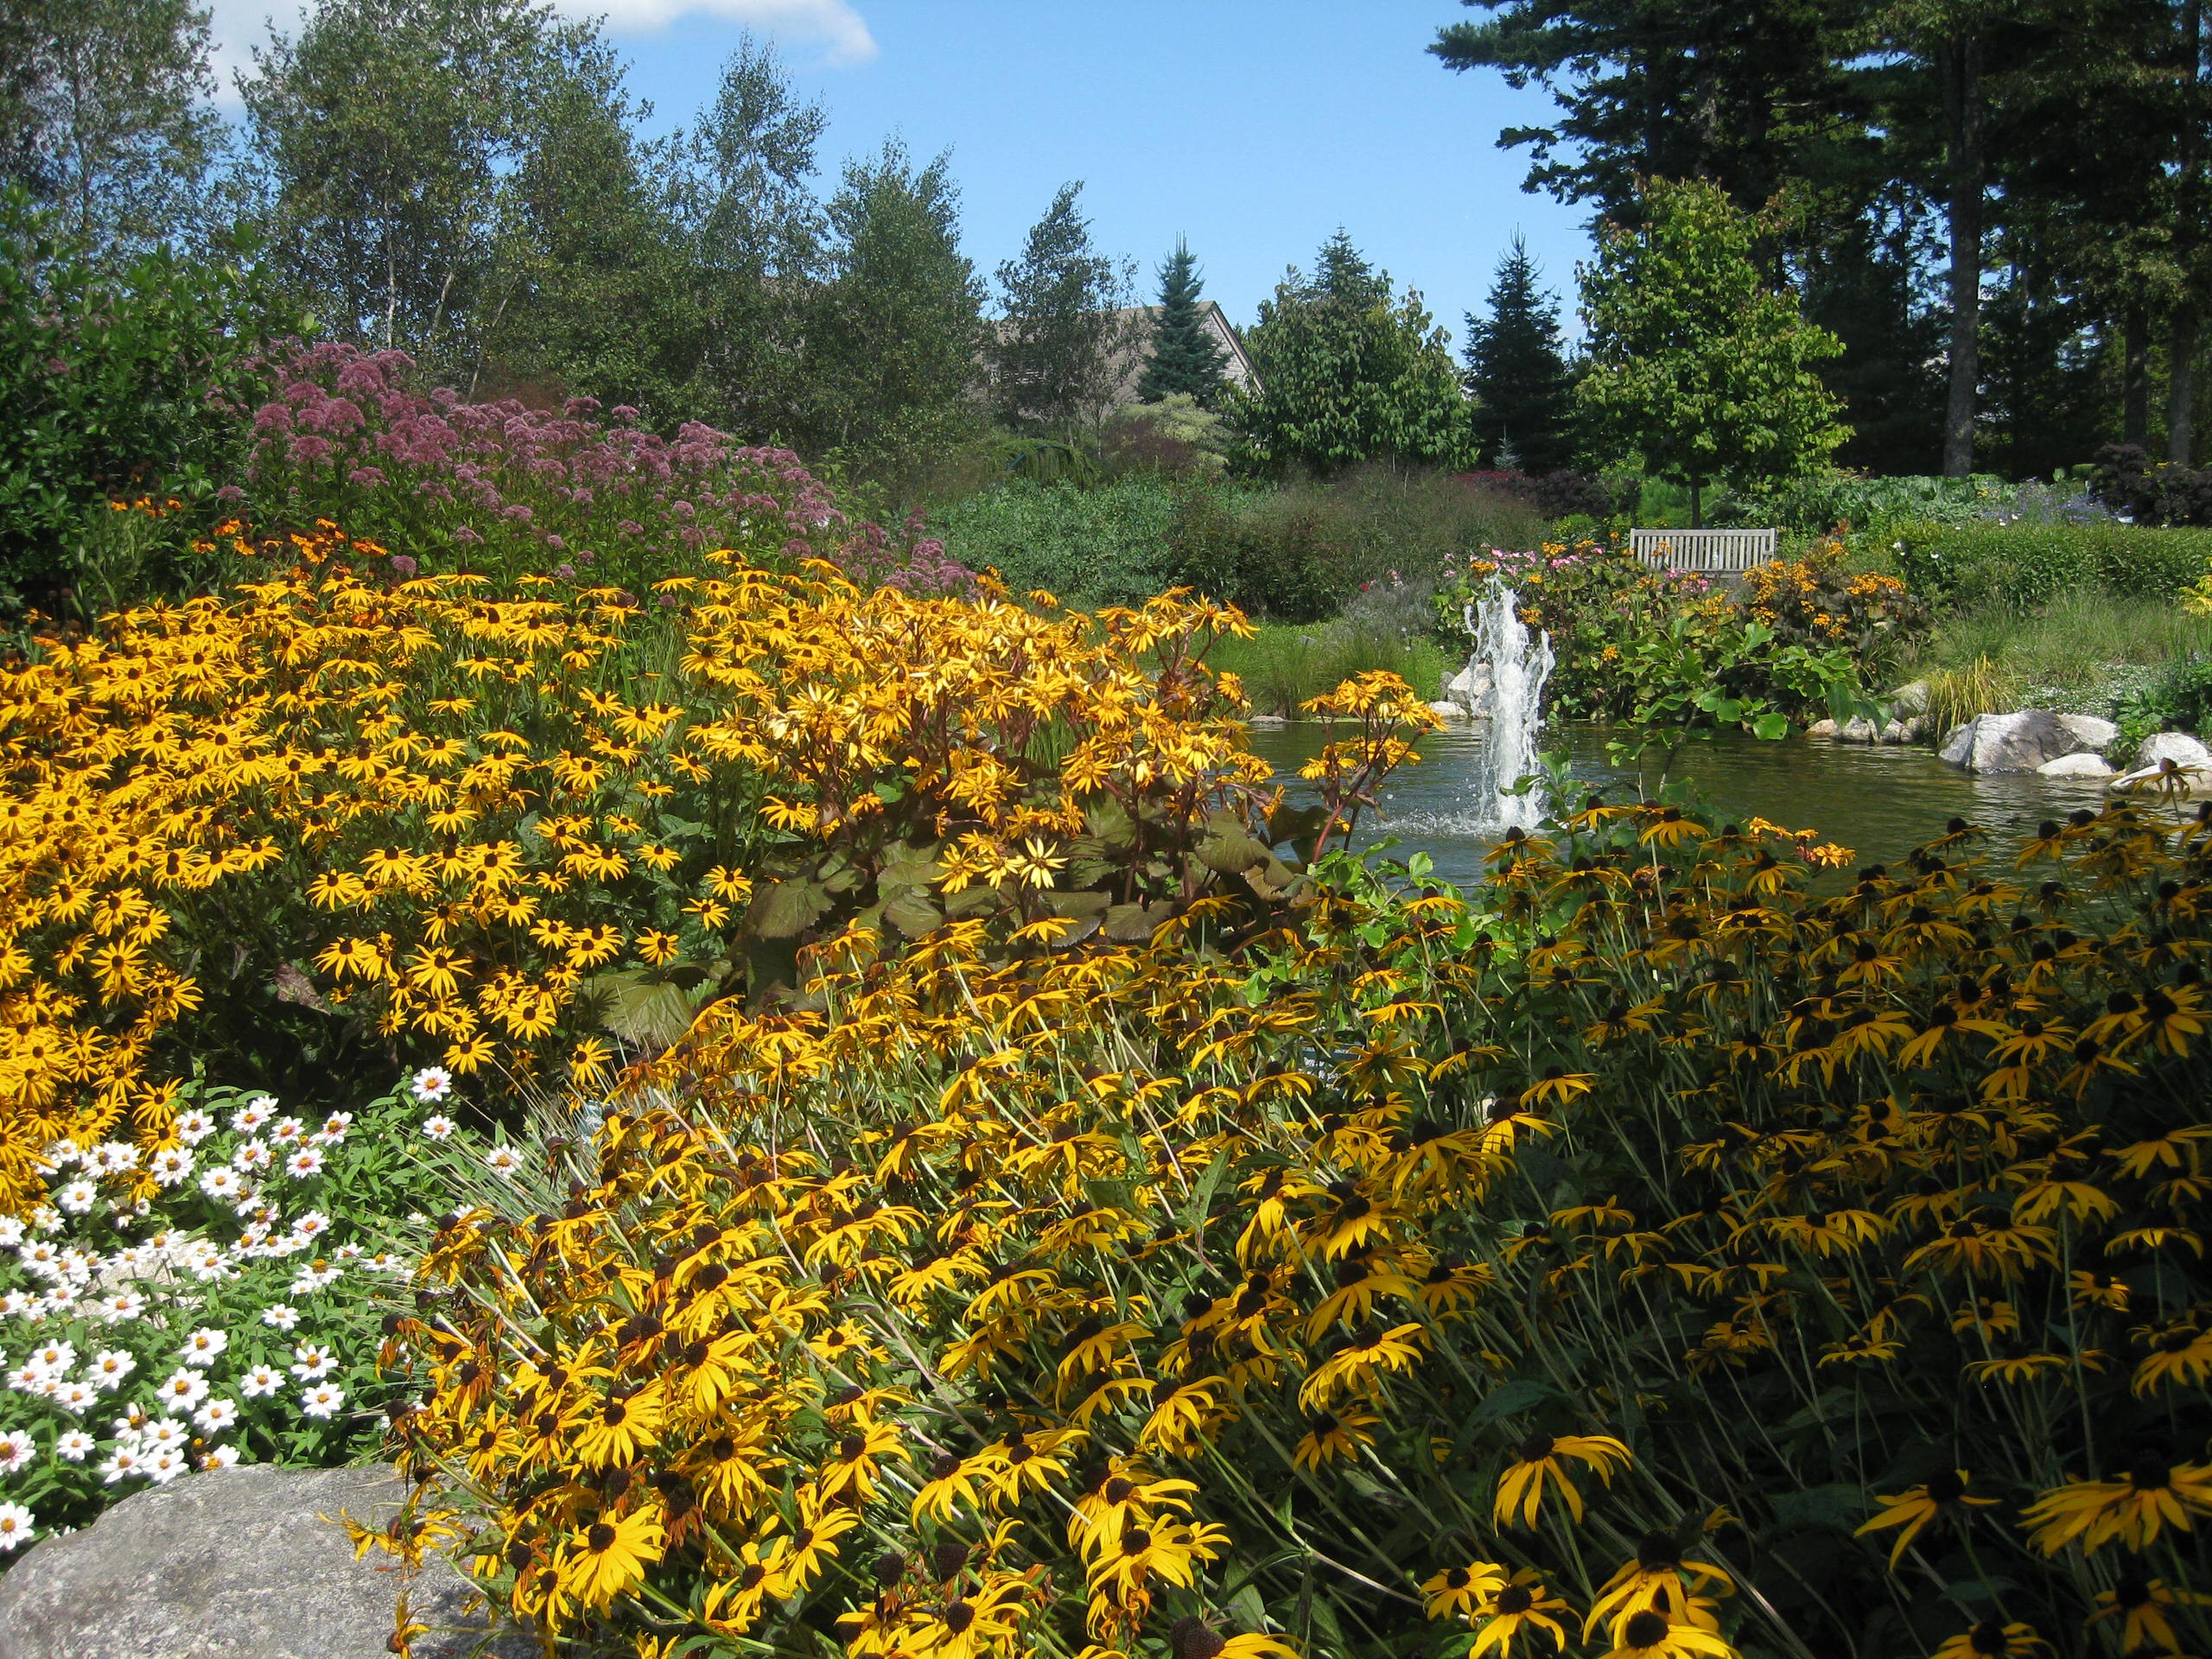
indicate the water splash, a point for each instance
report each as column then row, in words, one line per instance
column 1505, row 678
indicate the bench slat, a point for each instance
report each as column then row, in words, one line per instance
column 1714, row 552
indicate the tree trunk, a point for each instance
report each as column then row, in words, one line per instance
column 2181, row 384
column 2135, row 378
column 2181, row 369
column 1959, row 63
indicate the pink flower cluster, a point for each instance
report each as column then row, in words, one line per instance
column 921, row 565
column 503, row 485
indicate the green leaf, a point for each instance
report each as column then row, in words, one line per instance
column 1772, row 726
column 786, row 908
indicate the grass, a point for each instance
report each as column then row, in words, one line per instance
column 1288, row 663
column 2076, row 649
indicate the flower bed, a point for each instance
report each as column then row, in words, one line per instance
column 1715, row 1269
column 218, row 1301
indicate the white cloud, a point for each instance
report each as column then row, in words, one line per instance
column 830, row 27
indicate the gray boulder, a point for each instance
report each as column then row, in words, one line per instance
column 1907, row 730
column 2179, row 748
column 1446, row 710
column 2090, row 731
column 1821, row 728
column 2023, row 741
column 1910, row 698
column 236, row 1564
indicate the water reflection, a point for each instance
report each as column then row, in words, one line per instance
column 1879, row 801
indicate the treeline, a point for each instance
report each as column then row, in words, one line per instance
column 468, row 181
column 1999, row 207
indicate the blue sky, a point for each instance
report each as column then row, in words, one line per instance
column 1255, row 127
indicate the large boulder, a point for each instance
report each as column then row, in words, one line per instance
column 236, row 1564
column 1910, row 698
column 2184, row 751
column 2023, row 741
column 2169, row 763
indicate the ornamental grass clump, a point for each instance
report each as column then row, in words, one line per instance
column 338, row 821
column 1643, row 1256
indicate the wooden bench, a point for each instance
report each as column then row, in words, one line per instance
column 1705, row 552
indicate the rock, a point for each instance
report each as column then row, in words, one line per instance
column 2157, row 780
column 1471, row 686
column 1266, row 719
column 236, row 1564
column 2089, row 732
column 1901, row 732
column 2017, row 742
column 2087, row 764
column 1821, row 728
column 1859, row 729
column 1909, row 699
column 1958, row 745
column 1444, row 710
column 2177, row 747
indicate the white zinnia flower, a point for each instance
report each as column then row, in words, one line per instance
column 203, row 1346
column 15, row 1526
column 17, row 1452
column 109, row 1368
column 216, row 1416
column 307, row 1161
column 171, row 1165
column 77, row 1198
column 322, row 1400
column 315, row 1362
column 280, row 1316
column 503, row 1160
column 438, row 1125
column 431, row 1082
column 260, row 1382
column 193, row 1127
column 75, row 1446
column 183, row 1388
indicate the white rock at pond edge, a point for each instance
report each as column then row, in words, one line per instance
column 2087, row 764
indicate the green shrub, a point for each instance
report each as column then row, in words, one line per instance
column 1107, row 545
column 116, row 381
column 2028, row 565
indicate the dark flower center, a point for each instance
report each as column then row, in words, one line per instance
column 1536, row 1448
column 601, row 1536
column 1988, row 1636
column 958, row 1617
column 1118, row 1490
column 1516, row 1598
column 1646, row 1629
column 1944, row 1486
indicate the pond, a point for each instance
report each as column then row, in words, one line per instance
column 1879, row 801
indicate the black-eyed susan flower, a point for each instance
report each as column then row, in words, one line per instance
column 1541, row 1459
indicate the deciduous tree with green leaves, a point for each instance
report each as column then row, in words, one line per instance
column 894, row 332
column 1693, row 360
column 1055, row 357
column 104, row 115
column 1186, row 357
column 1347, row 374
column 387, row 134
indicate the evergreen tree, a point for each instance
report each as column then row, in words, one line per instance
column 1057, row 357
column 1517, row 374
column 1186, row 357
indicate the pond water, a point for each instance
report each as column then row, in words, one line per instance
column 1878, row 801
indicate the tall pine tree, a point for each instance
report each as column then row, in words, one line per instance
column 1516, row 373
column 1186, row 357
column 1057, row 354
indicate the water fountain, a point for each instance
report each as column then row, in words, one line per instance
column 1504, row 686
